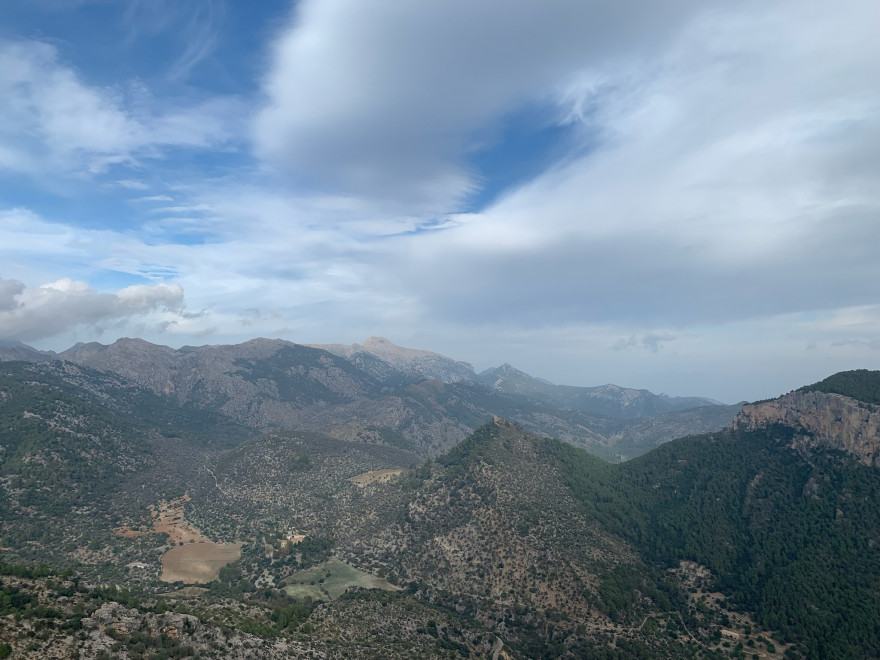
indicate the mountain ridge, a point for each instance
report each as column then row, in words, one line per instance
column 273, row 384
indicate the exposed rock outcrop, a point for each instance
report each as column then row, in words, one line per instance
column 825, row 420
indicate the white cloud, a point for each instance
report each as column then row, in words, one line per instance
column 737, row 182
column 51, row 309
column 387, row 98
column 53, row 121
column 131, row 184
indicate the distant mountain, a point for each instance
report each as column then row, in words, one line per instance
column 410, row 362
column 15, row 350
column 606, row 400
column 380, row 392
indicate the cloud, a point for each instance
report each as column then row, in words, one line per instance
column 131, row 184
column 53, row 121
column 193, row 26
column 35, row 313
column 10, row 290
column 871, row 344
column 736, row 181
column 652, row 342
column 388, row 98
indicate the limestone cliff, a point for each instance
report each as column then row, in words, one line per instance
column 824, row 420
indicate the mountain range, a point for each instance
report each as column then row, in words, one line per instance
column 125, row 468
column 383, row 393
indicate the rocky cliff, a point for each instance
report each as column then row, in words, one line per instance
column 825, row 420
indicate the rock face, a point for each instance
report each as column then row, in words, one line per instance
column 183, row 633
column 826, row 420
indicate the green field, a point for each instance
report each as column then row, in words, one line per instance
column 329, row 580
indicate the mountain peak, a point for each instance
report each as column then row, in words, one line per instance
column 412, row 362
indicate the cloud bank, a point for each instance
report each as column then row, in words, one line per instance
column 33, row 313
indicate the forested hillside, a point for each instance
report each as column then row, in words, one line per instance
column 861, row 384
column 791, row 538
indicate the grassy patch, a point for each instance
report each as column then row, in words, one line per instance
column 331, row 579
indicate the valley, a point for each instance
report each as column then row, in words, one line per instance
column 427, row 519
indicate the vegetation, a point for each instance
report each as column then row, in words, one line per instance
column 860, row 384
column 787, row 538
column 507, row 540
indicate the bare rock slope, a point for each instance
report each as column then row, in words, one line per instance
column 826, row 420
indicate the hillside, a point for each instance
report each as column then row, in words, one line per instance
column 841, row 412
column 748, row 513
column 760, row 539
column 861, row 384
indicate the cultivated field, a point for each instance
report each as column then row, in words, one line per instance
column 376, row 476
column 197, row 563
column 330, row 580
column 168, row 518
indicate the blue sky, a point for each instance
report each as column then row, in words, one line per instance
column 677, row 195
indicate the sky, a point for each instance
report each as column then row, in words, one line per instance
column 682, row 196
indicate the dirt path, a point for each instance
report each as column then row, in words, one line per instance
column 497, row 648
column 645, row 620
column 216, row 483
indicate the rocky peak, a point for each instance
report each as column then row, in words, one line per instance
column 412, row 362
column 825, row 421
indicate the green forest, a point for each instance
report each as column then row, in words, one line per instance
column 860, row 384
column 791, row 539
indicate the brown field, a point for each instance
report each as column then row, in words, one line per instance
column 197, row 563
column 376, row 476
column 129, row 533
column 168, row 519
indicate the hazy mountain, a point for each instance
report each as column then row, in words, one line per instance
column 15, row 350
column 606, row 400
column 379, row 393
column 411, row 362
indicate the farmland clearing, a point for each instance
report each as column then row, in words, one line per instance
column 329, row 581
column 375, row 476
column 197, row 563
